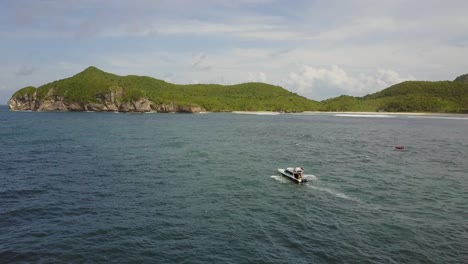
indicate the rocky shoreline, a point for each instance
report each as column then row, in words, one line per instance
column 110, row 102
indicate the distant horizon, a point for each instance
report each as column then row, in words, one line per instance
column 306, row 47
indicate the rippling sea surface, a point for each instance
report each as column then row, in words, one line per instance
column 204, row 188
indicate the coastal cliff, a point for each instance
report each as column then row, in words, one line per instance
column 109, row 102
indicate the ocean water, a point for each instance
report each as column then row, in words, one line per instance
column 203, row 188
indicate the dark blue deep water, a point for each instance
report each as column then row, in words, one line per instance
column 181, row 188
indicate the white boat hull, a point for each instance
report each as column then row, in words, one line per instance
column 291, row 177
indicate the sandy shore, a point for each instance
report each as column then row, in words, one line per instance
column 351, row 113
column 379, row 113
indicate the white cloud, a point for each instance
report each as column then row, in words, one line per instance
column 359, row 27
column 257, row 77
column 262, row 27
column 324, row 82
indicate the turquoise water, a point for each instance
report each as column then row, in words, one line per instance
column 181, row 188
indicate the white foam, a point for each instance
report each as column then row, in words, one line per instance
column 333, row 192
column 440, row 117
column 310, row 177
column 309, row 113
column 361, row 115
column 282, row 179
column 279, row 178
column 255, row 113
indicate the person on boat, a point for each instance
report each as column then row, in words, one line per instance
column 298, row 173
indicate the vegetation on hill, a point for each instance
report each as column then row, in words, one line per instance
column 462, row 78
column 410, row 96
column 25, row 91
column 92, row 84
column 85, row 86
column 346, row 103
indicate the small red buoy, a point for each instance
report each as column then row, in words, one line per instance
column 399, row 147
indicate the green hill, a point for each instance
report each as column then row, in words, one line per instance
column 96, row 90
column 93, row 87
column 461, row 78
column 410, row 96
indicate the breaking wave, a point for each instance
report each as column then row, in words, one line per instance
column 255, row 113
column 441, row 117
column 363, row 115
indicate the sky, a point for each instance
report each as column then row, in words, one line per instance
column 318, row 49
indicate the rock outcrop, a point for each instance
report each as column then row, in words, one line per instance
column 108, row 102
column 23, row 102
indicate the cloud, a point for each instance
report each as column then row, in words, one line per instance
column 257, row 77
column 25, row 70
column 102, row 19
column 198, row 63
column 290, row 43
column 262, row 27
column 359, row 27
column 268, row 20
column 324, row 82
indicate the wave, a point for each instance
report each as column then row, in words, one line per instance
column 255, row 113
column 309, row 113
column 440, row 117
column 362, row 115
column 14, row 194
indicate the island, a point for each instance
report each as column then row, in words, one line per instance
column 96, row 90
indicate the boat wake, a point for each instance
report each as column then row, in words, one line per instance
column 310, row 177
column 280, row 178
column 333, row 192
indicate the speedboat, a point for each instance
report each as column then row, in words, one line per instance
column 295, row 174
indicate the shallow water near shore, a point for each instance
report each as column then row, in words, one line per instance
column 185, row 188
